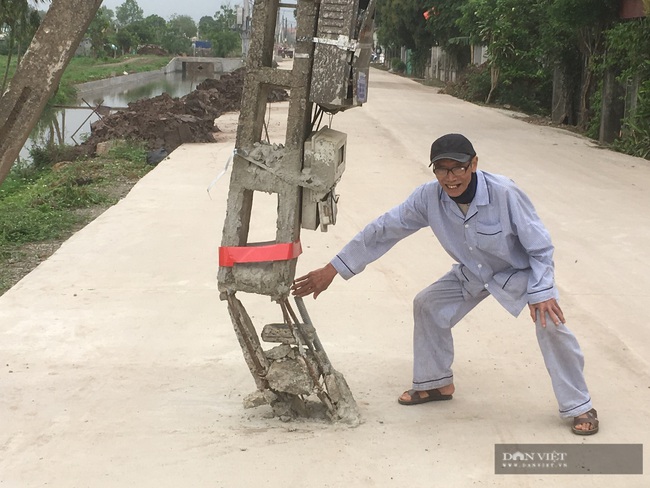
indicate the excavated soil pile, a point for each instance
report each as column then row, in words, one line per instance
column 166, row 122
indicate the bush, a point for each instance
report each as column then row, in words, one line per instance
column 472, row 84
column 44, row 156
column 397, row 65
column 20, row 224
column 636, row 128
column 529, row 94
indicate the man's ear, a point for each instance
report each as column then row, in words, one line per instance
column 474, row 163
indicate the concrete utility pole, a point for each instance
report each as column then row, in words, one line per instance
column 244, row 23
column 330, row 72
column 39, row 73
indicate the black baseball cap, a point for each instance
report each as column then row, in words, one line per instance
column 452, row 146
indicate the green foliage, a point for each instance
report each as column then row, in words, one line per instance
column 225, row 43
column 183, row 24
column 39, row 203
column 19, row 21
column 573, row 39
column 518, row 90
column 628, row 48
column 636, row 127
column 207, row 25
column 126, row 40
column 472, row 84
column 628, row 56
column 99, row 31
column 82, row 69
column 20, row 223
column 155, row 28
column 220, row 30
column 4, row 60
column 128, row 12
column 45, row 156
column 401, row 23
column 526, row 41
column 175, row 43
column 129, row 151
column 397, row 65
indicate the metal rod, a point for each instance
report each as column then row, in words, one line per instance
column 300, row 303
column 297, row 332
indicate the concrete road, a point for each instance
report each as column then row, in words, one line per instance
column 119, row 366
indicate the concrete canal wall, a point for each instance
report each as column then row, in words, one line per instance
column 179, row 64
column 189, row 64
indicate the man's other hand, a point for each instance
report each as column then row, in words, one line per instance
column 550, row 307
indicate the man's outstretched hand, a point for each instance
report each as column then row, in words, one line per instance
column 314, row 282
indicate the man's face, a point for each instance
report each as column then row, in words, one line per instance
column 455, row 184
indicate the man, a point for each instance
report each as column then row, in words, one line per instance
column 490, row 228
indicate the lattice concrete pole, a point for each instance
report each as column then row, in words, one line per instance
column 273, row 279
column 251, row 119
column 39, row 73
column 299, row 116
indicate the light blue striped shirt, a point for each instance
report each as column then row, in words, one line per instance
column 501, row 244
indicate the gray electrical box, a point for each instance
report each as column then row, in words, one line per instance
column 324, row 164
column 342, row 53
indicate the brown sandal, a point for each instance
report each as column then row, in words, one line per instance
column 591, row 418
column 416, row 398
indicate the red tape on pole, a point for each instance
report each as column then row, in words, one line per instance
column 229, row 256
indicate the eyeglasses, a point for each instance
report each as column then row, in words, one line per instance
column 456, row 171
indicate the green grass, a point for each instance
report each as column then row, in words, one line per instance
column 47, row 204
column 83, row 69
column 3, row 67
column 40, row 206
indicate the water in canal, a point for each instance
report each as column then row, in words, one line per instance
column 72, row 125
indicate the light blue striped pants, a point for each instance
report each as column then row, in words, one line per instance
column 439, row 307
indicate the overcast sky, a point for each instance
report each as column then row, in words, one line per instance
column 166, row 8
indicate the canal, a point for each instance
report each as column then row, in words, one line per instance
column 71, row 125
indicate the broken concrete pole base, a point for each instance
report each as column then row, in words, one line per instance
column 291, row 376
column 287, row 407
column 341, row 395
column 293, row 394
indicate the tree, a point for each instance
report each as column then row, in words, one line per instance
column 26, row 32
column 183, row 24
column 174, row 42
column 207, row 25
column 39, row 73
column 628, row 55
column 402, row 23
column 221, row 31
column 126, row 39
column 128, row 12
column 574, row 30
column 510, row 29
column 224, row 43
column 142, row 32
column 99, row 30
column 158, row 25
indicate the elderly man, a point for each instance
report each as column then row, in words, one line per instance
column 490, row 228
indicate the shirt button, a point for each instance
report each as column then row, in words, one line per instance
column 467, row 226
column 471, row 248
column 486, row 285
column 480, row 266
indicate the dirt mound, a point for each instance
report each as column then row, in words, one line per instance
column 166, row 122
column 152, row 49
